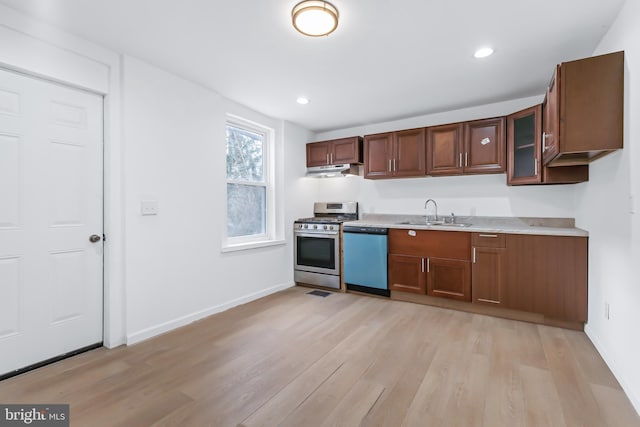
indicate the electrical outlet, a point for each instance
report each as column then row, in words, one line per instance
column 149, row 207
column 606, row 310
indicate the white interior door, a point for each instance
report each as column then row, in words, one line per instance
column 50, row 204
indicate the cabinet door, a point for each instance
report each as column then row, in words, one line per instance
column 378, row 155
column 409, row 158
column 547, row 275
column 346, row 150
column 551, row 118
column 487, row 275
column 318, row 154
column 484, row 144
column 524, row 146
column 449, row 278
column 444, row 149
column 406, row 274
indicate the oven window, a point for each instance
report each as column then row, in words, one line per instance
column 316, row 252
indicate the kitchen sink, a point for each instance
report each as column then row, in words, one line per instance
column 435, row 224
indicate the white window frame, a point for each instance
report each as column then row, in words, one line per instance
column 269, row 237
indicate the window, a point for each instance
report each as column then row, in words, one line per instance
column 250, row 191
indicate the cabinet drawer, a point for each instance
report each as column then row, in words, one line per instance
column 488, row 240
column 426, row 243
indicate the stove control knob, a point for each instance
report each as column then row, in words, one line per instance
column 327, row 227
column 315, row 227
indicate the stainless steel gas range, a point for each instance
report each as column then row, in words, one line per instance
column 318, row 244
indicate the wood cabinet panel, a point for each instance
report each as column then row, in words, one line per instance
column 347, row 150
column 488, row 240
column 394, row 154
column 485, row 146
column 317, row 154
column 547, row 275
column 524, row 152
column 377, row 155
column 406, row 274
column 335, row 152
column 444, row 149
column 487, row 275
column 584, row 110
column 409, row 154
column 427, row 243
column 449, row 278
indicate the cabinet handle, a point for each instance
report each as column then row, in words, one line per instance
column 327, row 158
column 411, row 233
column 466, row 159
column 427, row 265
column 423, row 265
column 390, row 170
column 535, row 167
column 474, row 255
column 395, row 168
column 460, row 161
column 488, row 235
column 544, row 142
column 488, row 300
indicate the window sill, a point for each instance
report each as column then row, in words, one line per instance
column 252, row 245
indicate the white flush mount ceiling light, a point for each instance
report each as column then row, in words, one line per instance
column 302, row 100
column 483, row 52
column 314, row 18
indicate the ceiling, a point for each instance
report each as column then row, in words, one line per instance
column 387, row 60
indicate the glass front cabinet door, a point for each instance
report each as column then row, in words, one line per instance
column 524, row 146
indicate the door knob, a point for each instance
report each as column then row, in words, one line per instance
column 94, row 238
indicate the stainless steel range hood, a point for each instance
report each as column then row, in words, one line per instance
column 332, row 171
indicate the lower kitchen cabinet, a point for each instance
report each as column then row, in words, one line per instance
column 487, row 273
column 406, row 274
column 547, row 275
column 487, row 268
column 542, row 275
column 436, row 263
column 449, row 278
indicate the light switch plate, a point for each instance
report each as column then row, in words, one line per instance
column 149, row 207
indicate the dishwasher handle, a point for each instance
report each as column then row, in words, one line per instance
column 365, row 230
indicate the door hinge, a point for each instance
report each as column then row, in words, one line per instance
column 104, row 238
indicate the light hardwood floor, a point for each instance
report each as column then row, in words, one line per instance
column 292, row 359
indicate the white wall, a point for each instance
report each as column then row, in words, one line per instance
column 174, row 133
column 164, row 271
column 608, row 207
column 484, row 195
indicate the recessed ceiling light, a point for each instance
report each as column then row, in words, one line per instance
column 302, row 100
column 483, row 52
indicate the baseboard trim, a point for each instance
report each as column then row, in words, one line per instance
column 162, row 328
column 611, row 363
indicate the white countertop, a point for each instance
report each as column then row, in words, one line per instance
column 478, row 224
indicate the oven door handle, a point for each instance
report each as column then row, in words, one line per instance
column 323, row 235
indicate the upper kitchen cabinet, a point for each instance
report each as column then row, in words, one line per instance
column 395, row 154
column 484, row 145
column 583, row 110
column 524, row 151
column 523, row 146
column 335, row 152
column 470, row 147
column 444, row 149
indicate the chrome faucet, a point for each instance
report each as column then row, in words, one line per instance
column 435, row 205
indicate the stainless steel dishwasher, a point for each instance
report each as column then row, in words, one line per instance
column 365, row 259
